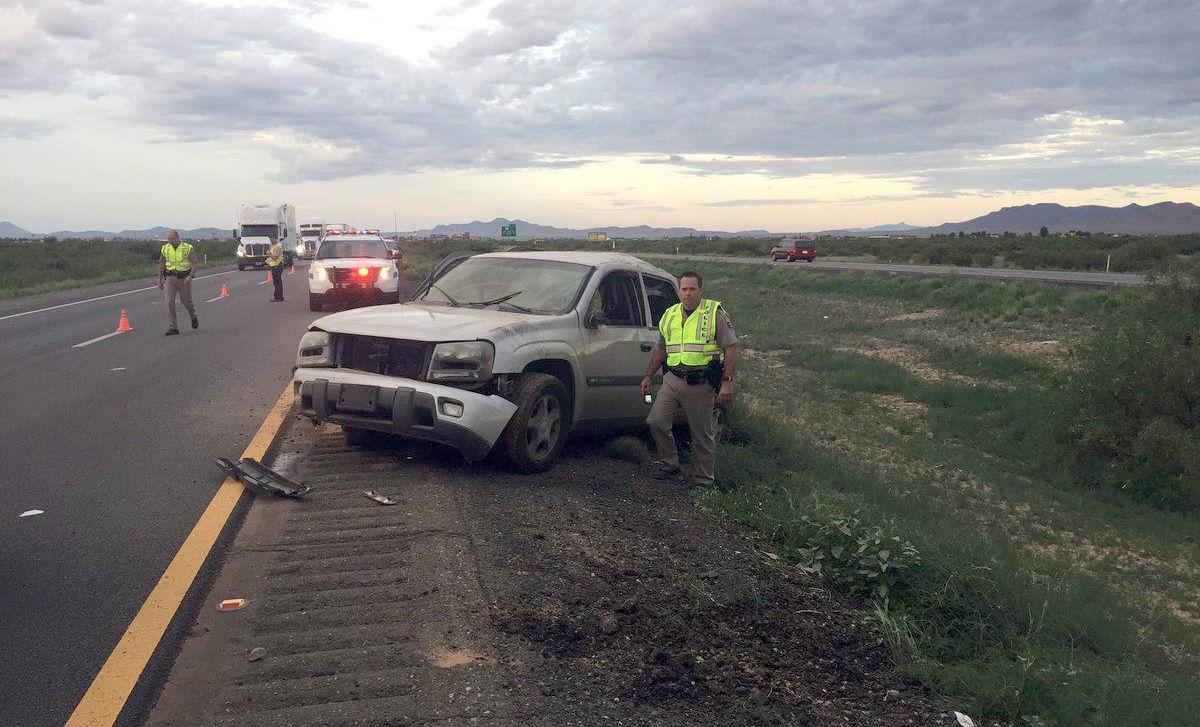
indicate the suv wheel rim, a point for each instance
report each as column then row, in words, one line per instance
column 543, row 426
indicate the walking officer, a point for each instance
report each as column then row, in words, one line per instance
column 699, row 347
column 275, row 261
column 176, row 267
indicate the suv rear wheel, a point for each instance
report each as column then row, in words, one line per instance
column 535, row 435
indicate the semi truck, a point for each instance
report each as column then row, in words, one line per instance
column 257, row 223
column 312, row 229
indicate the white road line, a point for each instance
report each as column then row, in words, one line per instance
column 214, row 300
column 97, row 339
column 103, row 297
column 119, row 368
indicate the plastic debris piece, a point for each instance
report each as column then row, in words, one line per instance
column 31, row 513
column 772, row 556
column 381, row 499
column 257, row 653
column 252, row 473
column 964, row 720
column 232, row 604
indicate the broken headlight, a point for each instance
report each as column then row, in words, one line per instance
column 463, row 361
column 316, row 349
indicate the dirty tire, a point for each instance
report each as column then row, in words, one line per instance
column 535, row 435
column 315, row 302
column 356, row 437
column 241, row 266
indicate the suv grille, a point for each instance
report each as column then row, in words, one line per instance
column 350, row 275
column 386, row 356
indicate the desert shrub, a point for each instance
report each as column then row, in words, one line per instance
column 1128, row 415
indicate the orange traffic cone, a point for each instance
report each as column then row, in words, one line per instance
column 268, row 276
column 224, row 292
column 293, row 267
column 123, row 326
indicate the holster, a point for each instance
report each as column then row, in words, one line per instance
column 715, row 372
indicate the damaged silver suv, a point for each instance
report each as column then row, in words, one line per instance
column 508, row 351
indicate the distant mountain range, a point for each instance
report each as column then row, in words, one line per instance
column 11, row 231
column 897, row 228
column 1164, row 218
column 533, row 231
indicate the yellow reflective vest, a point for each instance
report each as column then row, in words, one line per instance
column 275, row 261
column 179, row 259
column 691, row 342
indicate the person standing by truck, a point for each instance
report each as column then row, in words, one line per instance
column 699, row 346
column 275, row 262
column 177, row 267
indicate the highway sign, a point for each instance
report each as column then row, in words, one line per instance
column 508, row 230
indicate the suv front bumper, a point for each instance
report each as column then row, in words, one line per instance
column 409, row 408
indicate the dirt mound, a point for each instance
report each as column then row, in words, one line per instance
column 640, row 601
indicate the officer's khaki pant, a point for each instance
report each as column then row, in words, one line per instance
column 171, row 286
column 697, row 403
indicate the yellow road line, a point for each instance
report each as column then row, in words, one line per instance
column 105, row 698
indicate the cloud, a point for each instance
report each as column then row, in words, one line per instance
column 1003, row 95
column 14, row 128
column 757, row 202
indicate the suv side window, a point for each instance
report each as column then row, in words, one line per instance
column 617, row 301
column 661, row 295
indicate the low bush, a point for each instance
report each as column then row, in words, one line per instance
column 1128, row 411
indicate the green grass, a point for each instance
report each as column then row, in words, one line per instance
column 1029, row 597
column 28, row 268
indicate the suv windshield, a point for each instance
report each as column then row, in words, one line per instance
column 331, row 249
column 538, row 286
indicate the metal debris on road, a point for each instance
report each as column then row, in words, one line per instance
column 232, row 604
column 257, row 653
column 252, row 473
column 31, row 513
column 381, row 499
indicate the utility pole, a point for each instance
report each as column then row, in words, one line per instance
column 395, row 225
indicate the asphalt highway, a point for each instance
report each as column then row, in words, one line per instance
column 114, row 440
column 1062, row 277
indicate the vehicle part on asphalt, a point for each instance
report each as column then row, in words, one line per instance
column 252, row 473
column 381, row 499
column 30, row 513
column 232, row 604
column 257, row 653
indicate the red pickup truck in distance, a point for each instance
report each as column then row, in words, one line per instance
column 792, row 249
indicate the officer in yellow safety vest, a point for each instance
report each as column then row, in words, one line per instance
column 275, row 261
column 176, row 268
column 699, row 346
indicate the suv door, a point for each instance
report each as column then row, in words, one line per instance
column 615, row 351
column 661, row 294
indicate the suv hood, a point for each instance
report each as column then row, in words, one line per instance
column 352, row 262
column 417, row 322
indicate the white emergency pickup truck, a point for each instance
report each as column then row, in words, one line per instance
column 513, row 351
column 353, row 269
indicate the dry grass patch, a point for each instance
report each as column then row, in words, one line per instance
column 921, row 315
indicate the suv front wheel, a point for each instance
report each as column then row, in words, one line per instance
column 537, row 431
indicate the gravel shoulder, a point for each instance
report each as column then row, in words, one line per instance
column 589, row 595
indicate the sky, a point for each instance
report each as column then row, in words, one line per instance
column 713, row 114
